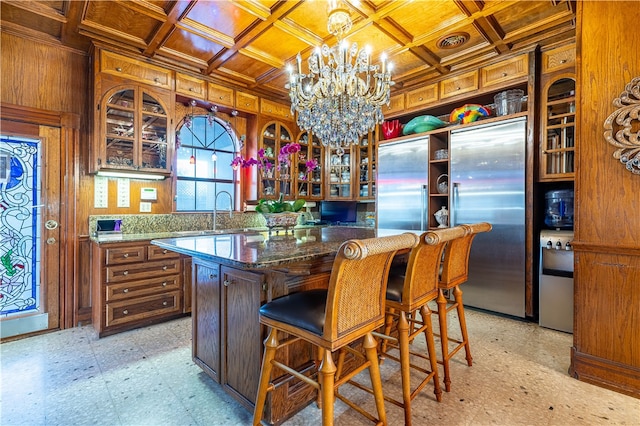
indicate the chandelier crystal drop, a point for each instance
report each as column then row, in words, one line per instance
column 340, row 99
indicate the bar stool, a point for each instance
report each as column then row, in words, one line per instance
column 455, row 271
column 409, row 290
column 351, row 308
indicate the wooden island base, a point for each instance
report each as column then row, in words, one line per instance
column 232, row 276
column 228, row 339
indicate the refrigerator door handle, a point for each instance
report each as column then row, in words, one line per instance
column 423, row 201
column 454, row 203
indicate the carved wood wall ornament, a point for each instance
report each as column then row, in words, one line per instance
column 622, row 127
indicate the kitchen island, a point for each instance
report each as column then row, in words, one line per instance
column 232, row 276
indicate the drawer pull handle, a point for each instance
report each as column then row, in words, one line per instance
column 164, row 268
column 164, row 284
column 420, row 98
column 126, row 290
column 458, row 88
column 191, row 89
column 156, row 79
column 226, row 283
column 212, row 276
column 125, row 273
column 164, row 303
column 504, row 74
column 118, row 69
column 126, row 255
column 221, row 97
column 164, row 251
column 125, row 312
column 563, row 61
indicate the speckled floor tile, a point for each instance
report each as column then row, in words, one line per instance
column 146, row 377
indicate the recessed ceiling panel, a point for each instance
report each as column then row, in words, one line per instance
column 421, row 18
column 222, row 16
column 278, row 44
column 193, row 45
column 119, row 19
column 245, row 65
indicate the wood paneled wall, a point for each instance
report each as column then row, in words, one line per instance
column 607, row 239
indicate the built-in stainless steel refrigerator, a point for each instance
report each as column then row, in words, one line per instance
column 402, row 175
column 487, row 184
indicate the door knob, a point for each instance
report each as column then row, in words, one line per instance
column 51, row 224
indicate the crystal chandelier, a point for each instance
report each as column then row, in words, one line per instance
column 341, row 97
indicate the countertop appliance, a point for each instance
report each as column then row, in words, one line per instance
column 487, row 177
column 402, row 180
column 556, row 280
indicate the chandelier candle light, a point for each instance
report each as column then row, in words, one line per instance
column 340, row 99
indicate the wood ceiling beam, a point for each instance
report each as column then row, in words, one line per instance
column 174, row 14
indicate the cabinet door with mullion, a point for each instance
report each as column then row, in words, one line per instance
column 274, row 180
column 557, row 144
column 309, row 180
column 366, row 167
column 134, row 130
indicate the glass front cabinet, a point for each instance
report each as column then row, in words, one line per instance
column 135, row 127
column 339, row 173
column 274, row 179
column 366, row 167
column 558, row 130
column 309, row 180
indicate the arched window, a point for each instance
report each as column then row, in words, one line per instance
column 207, row 147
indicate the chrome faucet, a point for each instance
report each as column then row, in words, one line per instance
column 215, row 207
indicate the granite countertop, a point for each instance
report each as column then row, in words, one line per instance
column 260, row 250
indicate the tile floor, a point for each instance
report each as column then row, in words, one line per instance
column 146, row 377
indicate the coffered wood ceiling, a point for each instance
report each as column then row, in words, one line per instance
column 248, row 43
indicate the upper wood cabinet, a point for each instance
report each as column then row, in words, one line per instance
column 131, row 69
column 459, row 85
column 422, row 96
column 365, row 167
column 191, row 86
column 560, row 58
column 558, row 114
column 221, row 95
column 247, row 102
column 275, row 109
column 505, row 71
column 275, row 181
column 309, row 182
column 396, row 104
column 135, row 126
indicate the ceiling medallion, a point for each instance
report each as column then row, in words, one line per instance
column 622, row 127
column 340, row 98
column 452, row 41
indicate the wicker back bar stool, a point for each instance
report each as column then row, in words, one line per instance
column 455, row 271
column 351, row 308
column 410, row 288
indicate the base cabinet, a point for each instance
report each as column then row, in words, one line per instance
column 134, row 284
column 228, row 338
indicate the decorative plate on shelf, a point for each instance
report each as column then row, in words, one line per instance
column 423, row 123
column 469, row 113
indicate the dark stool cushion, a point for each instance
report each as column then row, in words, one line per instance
column 303, row 310
column 395, row 282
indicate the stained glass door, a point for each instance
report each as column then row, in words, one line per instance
column 22, row 308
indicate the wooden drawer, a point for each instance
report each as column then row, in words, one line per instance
column 396, row 104
column 158, row 253
column 122, row 312
column 559, row 58
column 145, row 287
column 120, row 255
column 458, row 85
column 220, row 95
column 275, row 109
column 505, row 71
column 191, row 86
column 121, row 66
column 122, row 273
column 247, row 102
column 422, row 96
